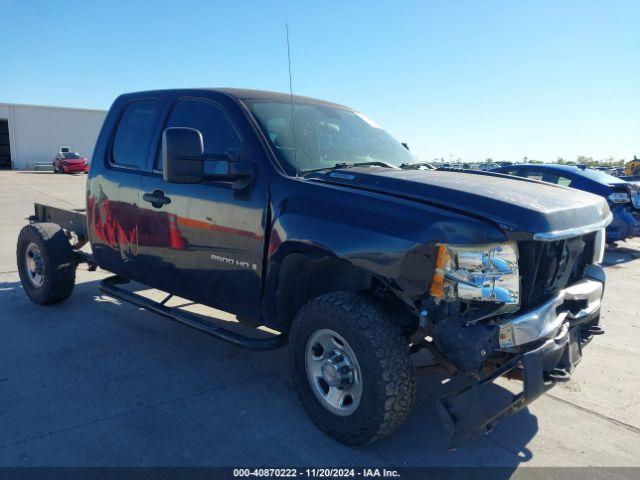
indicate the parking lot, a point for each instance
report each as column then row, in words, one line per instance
column 95, row 382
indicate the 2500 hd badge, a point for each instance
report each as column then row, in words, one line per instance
column 233, row 261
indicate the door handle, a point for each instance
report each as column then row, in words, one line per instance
column 157, row 198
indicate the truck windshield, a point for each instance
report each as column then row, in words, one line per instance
column 323, row 136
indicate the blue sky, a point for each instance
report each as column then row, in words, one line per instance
column 468, row 79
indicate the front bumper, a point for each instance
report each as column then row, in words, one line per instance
column 75, row 168
column 564, row 325
column 578, row 303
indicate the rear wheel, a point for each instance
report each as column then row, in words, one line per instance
column 351, row 368
column 45, row 263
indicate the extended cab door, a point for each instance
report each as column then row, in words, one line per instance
column 113, row 186
column 204, row 241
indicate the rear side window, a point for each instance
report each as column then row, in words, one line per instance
column 533, row 175
column 560, row 180
column 218, row 133
column 134, row 133
column 549, row 178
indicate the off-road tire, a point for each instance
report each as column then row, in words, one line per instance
column 59, row 267
column 389, row 387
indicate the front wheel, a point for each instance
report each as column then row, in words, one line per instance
column 351, row 368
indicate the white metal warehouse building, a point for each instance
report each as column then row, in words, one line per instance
column 31, row 134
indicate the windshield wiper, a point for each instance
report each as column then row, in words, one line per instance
column 376, row 163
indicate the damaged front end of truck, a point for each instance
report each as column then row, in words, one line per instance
column 523, row 310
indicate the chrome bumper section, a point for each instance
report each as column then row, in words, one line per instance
column 573, row 232
column 575, row 303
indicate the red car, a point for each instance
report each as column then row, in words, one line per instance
column 70, row 162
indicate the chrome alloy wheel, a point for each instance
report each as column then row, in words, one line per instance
column 333, row 372
column 34, row 264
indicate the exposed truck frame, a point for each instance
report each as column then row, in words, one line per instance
column 74, row 223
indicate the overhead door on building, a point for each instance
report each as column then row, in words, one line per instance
column 5, row 151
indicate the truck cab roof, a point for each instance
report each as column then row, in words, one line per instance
column 238, row 94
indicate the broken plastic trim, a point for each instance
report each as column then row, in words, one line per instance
column 469, row 412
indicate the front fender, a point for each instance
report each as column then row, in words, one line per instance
column 392, row 239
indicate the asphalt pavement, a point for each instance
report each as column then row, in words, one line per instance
column 96, row 382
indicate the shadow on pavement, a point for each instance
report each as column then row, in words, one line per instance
column 93, row 381
column 619, row 255
column 9, row 287
column 48, row 172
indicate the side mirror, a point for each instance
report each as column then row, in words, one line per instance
column 239, row 172
column 182, row 160
column 405, row 145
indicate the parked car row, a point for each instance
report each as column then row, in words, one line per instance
column 631, row 168
column 487, row 166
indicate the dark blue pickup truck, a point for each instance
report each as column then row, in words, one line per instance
column 306, row 217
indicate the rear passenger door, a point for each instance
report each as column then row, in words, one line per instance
column 206, row 244
column 113, row 198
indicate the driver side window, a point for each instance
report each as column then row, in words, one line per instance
column 218, row 133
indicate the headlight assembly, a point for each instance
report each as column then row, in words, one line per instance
column 619, row 197
column 485, row 273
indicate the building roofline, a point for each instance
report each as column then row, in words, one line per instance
column 52, row 107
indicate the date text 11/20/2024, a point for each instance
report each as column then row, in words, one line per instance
column 316, row 472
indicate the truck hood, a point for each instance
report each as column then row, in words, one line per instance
column 515, row 204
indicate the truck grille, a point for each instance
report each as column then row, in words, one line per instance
column 547, row 267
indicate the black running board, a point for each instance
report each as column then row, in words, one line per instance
column 110, row 287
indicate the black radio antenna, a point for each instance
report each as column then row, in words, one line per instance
column 293, row 126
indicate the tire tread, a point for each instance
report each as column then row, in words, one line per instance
column 59, row 263
column 390, row 347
